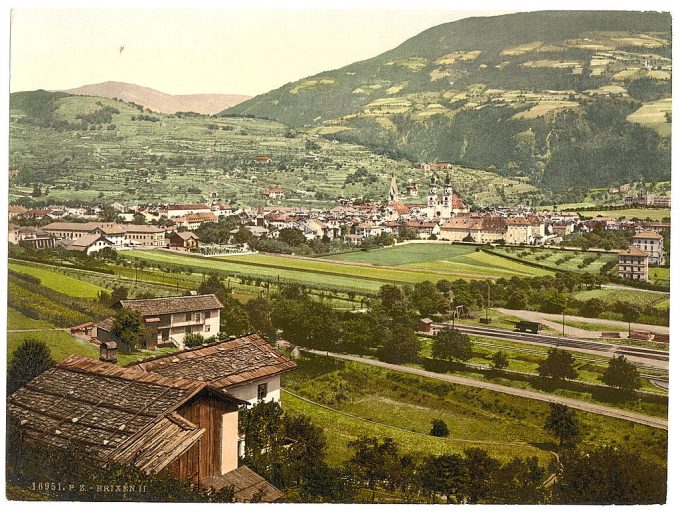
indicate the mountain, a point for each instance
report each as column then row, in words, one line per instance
column 567, row 99
column 94, row 149
column 159, row 101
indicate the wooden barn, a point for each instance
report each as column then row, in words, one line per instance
column 156, row 422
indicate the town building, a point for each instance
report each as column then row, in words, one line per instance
column 175, row 210
column 634, row 264
column 474, row 229
column 89, row 244
column 183, row 240
column 652, row 244
column 274, row 193
column 120, row 236
column 167, row 320
column 447, row 205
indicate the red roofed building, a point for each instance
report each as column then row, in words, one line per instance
column 274, row 193
column 652, row 243
column 634, row 264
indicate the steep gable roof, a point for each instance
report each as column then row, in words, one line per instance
column 101, row 408
column 223, row 364
column 173, row 304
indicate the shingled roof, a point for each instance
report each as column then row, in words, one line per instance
column 173, row 304
column 108, row 411
column 224, row 364
column 247, row 484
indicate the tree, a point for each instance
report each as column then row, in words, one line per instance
column 425, row 297
column 631, row 313
column 479, row 471
column 234, row 319
column 129, row 329
column 519, row 482
column 373, row 461
column 324, row 484
column 260, row 313
column 500, row 360
column 402, row 345
column 451, row 344
column 119, row 293
column 29, row 360
column 292, row 236
column 622, row 374
column 559, row 365
column 562, row 423
column 193, row 340
column 439, row 428
column 108, row 213
column 609, row 475
column 37, row 192
column 443, row 475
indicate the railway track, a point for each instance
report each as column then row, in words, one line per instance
column 634, row 353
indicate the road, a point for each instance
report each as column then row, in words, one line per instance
column 643, row 357
column 543, row 397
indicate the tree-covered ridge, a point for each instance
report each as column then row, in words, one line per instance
column 513, row 94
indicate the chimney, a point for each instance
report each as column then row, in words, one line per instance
column 108, row 352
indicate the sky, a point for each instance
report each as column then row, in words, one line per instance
column 180, row 51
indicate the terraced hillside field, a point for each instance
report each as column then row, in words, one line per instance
column 90, row 149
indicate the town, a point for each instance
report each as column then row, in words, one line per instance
column 438, row 275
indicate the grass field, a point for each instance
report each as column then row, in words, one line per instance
column 566, row 260
column 642, row 213
column 18, row 321
column 526, row 358
column 467, row 265
column 642, row 298
column 61, row 282
column 409, row 403
column 61, row 343
column 441, row 258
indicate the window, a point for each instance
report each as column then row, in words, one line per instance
column 206, row 328
column 262, row 391
column 188, row 317
column 187, row 330
column 198, row 316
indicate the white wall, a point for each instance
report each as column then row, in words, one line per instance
column 248, row 392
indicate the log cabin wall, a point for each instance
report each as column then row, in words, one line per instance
column 204, row 459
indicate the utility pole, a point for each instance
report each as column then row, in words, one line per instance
column 488, row 300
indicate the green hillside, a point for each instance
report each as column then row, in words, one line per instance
column 80, row 148
column 546, row 95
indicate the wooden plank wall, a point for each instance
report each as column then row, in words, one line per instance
column 203, row 460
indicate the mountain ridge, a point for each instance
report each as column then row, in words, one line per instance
column 155, row 100
column 494, row 93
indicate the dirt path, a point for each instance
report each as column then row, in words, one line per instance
column 603, row 410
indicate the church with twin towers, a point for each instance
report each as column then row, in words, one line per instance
column 439, row 207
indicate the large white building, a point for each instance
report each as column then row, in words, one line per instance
column 448, row 204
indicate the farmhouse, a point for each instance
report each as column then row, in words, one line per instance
column 263, row 159
column 633, row 264
column 184, row 426
column 184, row 240
column 89, row 244
column 652, row 244
column 274, row 193
column 169, row 319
